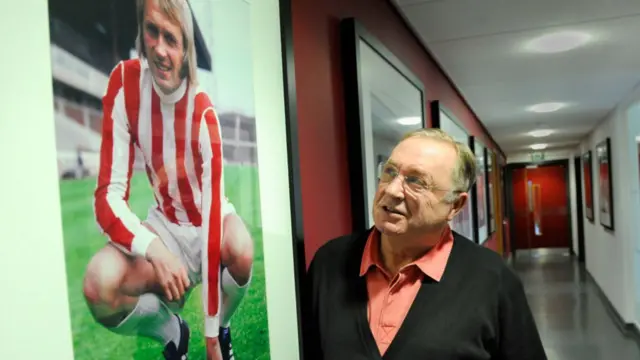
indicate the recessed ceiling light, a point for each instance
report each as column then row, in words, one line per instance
column 539, row 146
column 558, row 41
column 413, row 120
column 546, row 107
column 540, row 133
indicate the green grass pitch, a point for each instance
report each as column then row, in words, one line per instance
column 82, row 239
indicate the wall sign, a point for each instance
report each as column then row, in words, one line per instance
column 537, row 156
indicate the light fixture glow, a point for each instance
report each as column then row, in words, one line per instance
column 638, row 139
column 540, row 133
column 558, row 42
column 539, row 146
column 546, row 107
column 413, row 120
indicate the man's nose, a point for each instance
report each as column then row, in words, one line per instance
column 161, row 48
column 395, row 187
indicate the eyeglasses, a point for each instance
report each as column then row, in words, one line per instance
column 414, row 183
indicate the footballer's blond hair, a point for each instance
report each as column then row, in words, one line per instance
column 178, row 12
column 464, row 172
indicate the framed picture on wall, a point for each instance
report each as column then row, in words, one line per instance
column 638, row 141
column 481, row 191
column 489, row 156
column 587, row 174
column 137, row 141
column 442, row 118
column 605, row 184
column 384, row 100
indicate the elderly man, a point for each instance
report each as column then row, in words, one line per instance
column 410, row 288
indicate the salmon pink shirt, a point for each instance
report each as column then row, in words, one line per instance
column 391, row 297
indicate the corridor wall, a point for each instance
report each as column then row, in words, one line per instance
column 324, row 175
column 612, row 256
column 37, row 319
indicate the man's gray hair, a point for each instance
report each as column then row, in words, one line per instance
column 465, row 171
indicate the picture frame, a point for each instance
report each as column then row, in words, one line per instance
column 638, row 144
column 129, row 145
column 481, row 192
column 443, row 118
column 605, row 184
column 383, row 101
column 489, row 185
column 587, row 174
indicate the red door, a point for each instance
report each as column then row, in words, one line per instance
column 541, row 208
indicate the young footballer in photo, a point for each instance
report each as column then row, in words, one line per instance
column 138, row 282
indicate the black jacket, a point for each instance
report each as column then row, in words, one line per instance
column 477, row 311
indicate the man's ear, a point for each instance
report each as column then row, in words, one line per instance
column 458, row 204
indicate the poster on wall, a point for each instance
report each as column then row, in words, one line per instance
column 603, row 154
column 481, row 192
column 463, row 222
column 490, row 199
column 588, row 185
column 156, row 148
column 638, row 141
column 385, row 100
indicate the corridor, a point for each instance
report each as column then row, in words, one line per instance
column 574, row 322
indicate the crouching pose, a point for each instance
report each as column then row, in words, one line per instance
column 140, row 280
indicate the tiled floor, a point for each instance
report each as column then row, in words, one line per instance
column 572, row 318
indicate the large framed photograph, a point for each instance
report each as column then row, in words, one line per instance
column 156, row 147
column 481, row 191
column 587, row 174
column 443, row 119
column 384, row 100
column 603, row 154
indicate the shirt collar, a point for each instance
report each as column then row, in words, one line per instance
column 171, row 98
column 431, row 264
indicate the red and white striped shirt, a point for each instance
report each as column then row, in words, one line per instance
column 180, row 139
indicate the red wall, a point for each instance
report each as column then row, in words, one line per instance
column 322, row 135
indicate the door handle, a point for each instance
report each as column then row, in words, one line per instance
column 530, row 195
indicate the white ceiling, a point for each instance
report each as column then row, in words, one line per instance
column 479, row 43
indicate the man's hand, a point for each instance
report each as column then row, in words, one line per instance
column 170, row 272
column 213, row 349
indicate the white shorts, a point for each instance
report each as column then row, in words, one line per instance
column 183, row 240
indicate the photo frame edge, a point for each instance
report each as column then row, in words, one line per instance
column 351, row 31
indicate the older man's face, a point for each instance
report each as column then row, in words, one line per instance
column 413, row 185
